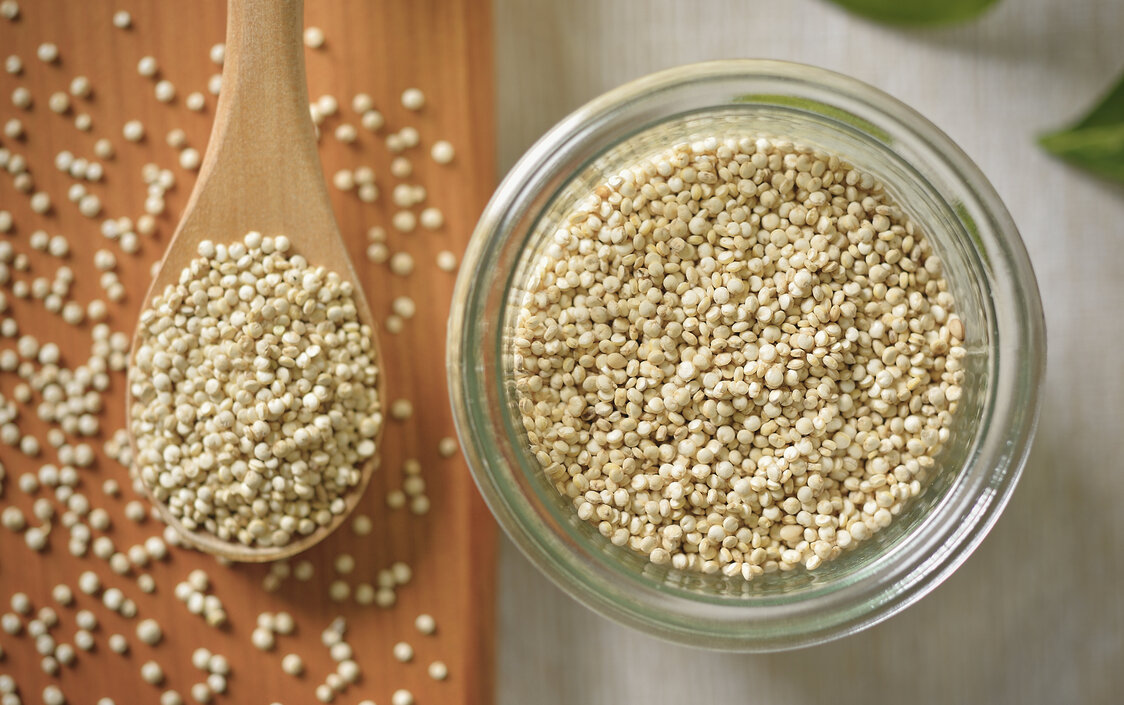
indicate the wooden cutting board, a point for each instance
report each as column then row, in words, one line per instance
column 442, row 47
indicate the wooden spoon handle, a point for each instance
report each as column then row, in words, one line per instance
column 262, row 169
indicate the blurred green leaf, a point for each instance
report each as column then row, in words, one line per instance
column 1096, row 142
column 917, row 12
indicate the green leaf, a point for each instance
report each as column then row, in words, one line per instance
column 917, row 12
column 1096, row 142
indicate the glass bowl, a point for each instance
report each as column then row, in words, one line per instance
column 986, row 267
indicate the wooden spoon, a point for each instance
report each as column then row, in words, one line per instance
column 262, row 172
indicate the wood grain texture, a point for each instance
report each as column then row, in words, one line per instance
column 442, row 47
column 1035, row 615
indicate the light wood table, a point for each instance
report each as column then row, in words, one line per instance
column 1036, row 615
column 380, row 49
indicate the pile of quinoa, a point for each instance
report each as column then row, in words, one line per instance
column 738, row 355
column 254, row 401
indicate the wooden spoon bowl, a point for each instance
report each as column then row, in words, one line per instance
column 261, row 172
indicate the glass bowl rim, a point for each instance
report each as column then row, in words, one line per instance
column 1015, row 421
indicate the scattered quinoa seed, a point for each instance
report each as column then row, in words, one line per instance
column 133, row 131
column 403, row 652
column 413, row 99
column 313, row 37
column 47, row 52
column 402, row 264
column 447, row 447
column 147, row 66
column 425, row 624
column 438, row 671
column 292, row 664
column 442, row 152
column 446, row 261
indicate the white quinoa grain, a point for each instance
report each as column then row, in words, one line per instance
column 327, row 105
column 200, row 658
column 165, row 91
column 432, row 218
column 122, row 19
column 152, row 673
column 84, row 640
column 396, row 499
column 344, row 564
column 346, row 133
column 446, row 261
column 149, row 632
column 340, row 651
column 118, row 643
column 58, row 102
column 365, row 594
column 403, row 652
column 195, row 101
column 368, row 193
column 103, row 149
column 313, row 37
column 262, row 639
column 344, row 180
column 402, row 572
column 21, row 97
column 201, row 694
column 283, row 623
column 404, row 306
column 218, row 664
column 402, row 264
column 361, row 525
column 361, row 103
column 349, row 671
column 133, row 131
column 190, row 159
column 401, row 168
column 339, row 590
column 401, row 409
column 147, row 66
column 438, row 671
column 425, row 624
column 40, row 202
column 404, row 221
column 47, row 52
column 372, row 120
column 442, row 152
column 80, row 87
column 413, row 99
column 447, row 447
column 292, row 664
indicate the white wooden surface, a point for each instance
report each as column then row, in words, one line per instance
column 1037, row 614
